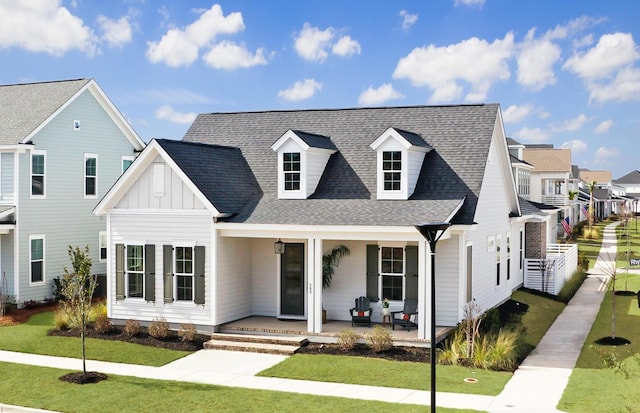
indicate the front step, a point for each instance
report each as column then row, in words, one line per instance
column 283, row 345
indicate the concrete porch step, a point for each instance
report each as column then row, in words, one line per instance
column 284, row 345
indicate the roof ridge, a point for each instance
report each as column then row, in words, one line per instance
column 45, row 82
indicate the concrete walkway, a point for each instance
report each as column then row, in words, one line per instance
column 536, row 386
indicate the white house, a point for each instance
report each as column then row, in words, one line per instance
column 62, row 145
column 192, row 224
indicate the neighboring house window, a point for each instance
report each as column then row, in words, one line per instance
column 498, row 260
column 102, row 245
column 90, row 175
column 508, row 256
column 291, row 168
column 36, row 258
column 126, row 162
column 392, row 167
column 469, row 272
column 135, row 271
column 392, row 271
column 38, row 168
column 184, row 273
column 521, row 248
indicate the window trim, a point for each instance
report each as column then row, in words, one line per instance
column 292, row 172
column 127, row 271
column 33, row 237
column 44, row 174
column 394, row 164
column 102, row 235
column 177, row 274
column 126, row 158
column 402, row 274
column 88, row 156
column 498, row 258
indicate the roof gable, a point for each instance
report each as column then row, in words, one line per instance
column 548, row 159
column 632, row 177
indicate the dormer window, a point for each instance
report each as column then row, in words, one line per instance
column 392, row 167
column 399, row 160
column 302, row 158
column 291, row 168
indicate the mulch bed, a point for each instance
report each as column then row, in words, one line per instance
column 415, row 354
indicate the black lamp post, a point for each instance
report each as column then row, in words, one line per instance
column 432, row 233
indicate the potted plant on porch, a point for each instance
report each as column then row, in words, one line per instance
column 330, row 262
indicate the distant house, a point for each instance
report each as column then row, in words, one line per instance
column 601, row 195
column 629, row 189
column 193, row 224
column 62, row 145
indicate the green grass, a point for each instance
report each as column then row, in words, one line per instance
column 31, row 337
column 378, row 372
column 598, row 390
column 591, row 247
column 541, row 314
column 130, row 394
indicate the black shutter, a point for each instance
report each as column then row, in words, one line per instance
column 372, row 273
column 150, row 272
column 411, row 277
column 167, row 272
column 198, row 283
column 119, row 271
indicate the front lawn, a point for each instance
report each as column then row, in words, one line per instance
column 542, row 312
column 31, row 337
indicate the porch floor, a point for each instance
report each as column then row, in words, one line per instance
column 330, row 330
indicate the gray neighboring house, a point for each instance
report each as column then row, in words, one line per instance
column 62, row 146
column 193, row 225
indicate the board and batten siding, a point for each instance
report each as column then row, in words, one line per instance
column 492, row 216
column 175, row 194
column 65, row 216
column 160, row 229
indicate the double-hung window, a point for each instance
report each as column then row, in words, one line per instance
column 102, row 245
column 135, row 271
column 184, row 273
column 392, row 170
column 291, row 168
column 498, row 259
column 36, row 258
column 90, row 175
column 38, row 168
column 392, row 272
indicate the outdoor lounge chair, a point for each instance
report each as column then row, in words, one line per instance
column 406, row 318
column 361, row 313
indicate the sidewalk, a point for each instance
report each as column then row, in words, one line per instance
column 545, row 372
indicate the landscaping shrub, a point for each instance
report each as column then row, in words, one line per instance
column 61, row 320
column 591, row 233
column 455, row 348
column 132, row 328
column 102, row 324
column 97, row 310
column 571, row 286
column 159, row 328
column 187, row 332
column 347, row 339
column 503, row 351
column 379, row 339
column 583, row 262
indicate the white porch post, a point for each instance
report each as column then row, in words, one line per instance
column 212, row 256
column 424, row 290
column 314, row 285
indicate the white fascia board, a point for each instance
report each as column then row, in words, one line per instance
column 285, row 137
column 500, row 138
column 388, row 134
column 19, row 148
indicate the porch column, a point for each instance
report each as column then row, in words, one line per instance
column 424, row 290
column 314, row 285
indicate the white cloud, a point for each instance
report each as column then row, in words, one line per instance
column 603, row 155
column 346, row 46
column 180, row 47
column 531, row 135
column 603, row 127
column 613, row 52
column 312, row 43
column 514, row 113
column 379, row 96
column 536, row 60
column 44, row 26
column 571, row 125
column 302, row 89
column 576, row 146
column 115, row 33
column 166, row 112
column 442, row 69
column 408, row 19
column 228, row 56
column 472, row 3
column 624, row 87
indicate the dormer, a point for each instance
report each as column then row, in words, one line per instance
column 399, row 160
column 302, row 158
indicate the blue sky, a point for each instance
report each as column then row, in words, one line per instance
column 564, row 72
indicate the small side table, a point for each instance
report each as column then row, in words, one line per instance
column 386, row 319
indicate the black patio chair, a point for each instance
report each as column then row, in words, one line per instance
column 406, row 318
column 361, row 313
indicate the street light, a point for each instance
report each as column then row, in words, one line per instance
column 432, row 233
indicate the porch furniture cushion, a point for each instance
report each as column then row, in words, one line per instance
column 361, row 313
column 406, row 318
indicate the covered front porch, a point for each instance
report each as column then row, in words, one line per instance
column 260, row 325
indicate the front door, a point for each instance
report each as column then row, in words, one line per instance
column 292, row 281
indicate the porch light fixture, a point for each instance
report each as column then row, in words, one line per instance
column 432, row 233
column 278, row 247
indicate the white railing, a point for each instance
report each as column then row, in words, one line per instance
column 550, row 274
column 555, row 200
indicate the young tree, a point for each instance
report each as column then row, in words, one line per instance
column 78, row 287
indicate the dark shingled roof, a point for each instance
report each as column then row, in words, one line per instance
column 346, row 194
column 412, row 138
column 219, row 172
column 316, row 141
column 632, row 177
column 24, row 107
